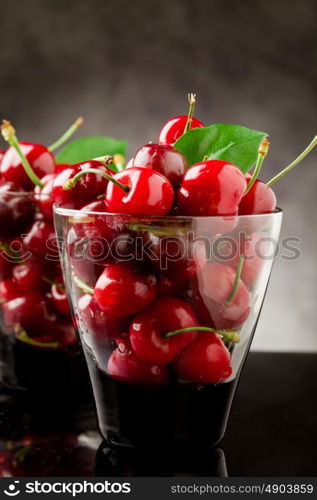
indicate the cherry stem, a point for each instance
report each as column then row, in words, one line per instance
column 51, row 282
column 108, row 162
column 192, row 102
column 236, row 280
column 227, row 335
column 262, row 152
column 4, row 247
column 8, row 133
column 23, row 337
column 82, row 285
column 295, row 162
column 73, row 181
column 67, row 135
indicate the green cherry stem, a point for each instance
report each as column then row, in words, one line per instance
column 107, row 161
column 73, row 181
column 294, row 163
column 228, row 335
column 82, row 285
column 236, row 280
column 119, row 161
column 67, row 135
column 262, row 152
column 192, row 102
column 8, row 133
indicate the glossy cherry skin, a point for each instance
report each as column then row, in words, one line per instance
column 29, row 276
column 40, row 239
column 216, row 283
column 174, row 129
column 5, row 267
column 32, row 311
column 150, row 193
column 205, row 361
column 44, row 196
column 16, row 209
column 168, row 286
column 125, row 366
column 162, row 158
column 259, row 200
column 96, row 324
column 122, row 289
column 254, row 249
column 148, row 328
column 88, row 187
column 8, row 290
column 212, row 187
column 40, row 158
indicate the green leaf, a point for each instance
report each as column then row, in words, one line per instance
column 233, row 143
column 87, row 148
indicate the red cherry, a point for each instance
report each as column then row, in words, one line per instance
column 148, row 328
column 83, row 267
column 32, row 311
column 87, row 188
column 64, row 334
column 122, row 289
column 96, row 322
column 259, row 200
column 61, row 166
column 41, row 239
column 168, row 286
column 174, row 128
column 123, row 365
column 193, row 296
column 148, row 193
column 216, row 284
column 205, row 361
column 162, row 158
column 59, row 299
column 44, row 196
column 16, row 209
column 213, row 187
column 29, row 276
column 38, row 156
column 8, row 290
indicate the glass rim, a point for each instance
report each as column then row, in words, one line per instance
column 72, row 212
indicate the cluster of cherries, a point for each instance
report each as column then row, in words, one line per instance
column 154, row 320
column 34, row 306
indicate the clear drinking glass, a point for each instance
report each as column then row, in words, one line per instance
column 148, row 393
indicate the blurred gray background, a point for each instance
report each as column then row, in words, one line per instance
column 127, row 66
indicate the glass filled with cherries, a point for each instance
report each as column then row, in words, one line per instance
column 166, row 261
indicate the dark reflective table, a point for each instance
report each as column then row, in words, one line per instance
column 271, row 431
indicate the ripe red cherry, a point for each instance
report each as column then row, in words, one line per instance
column 40, row 239
column 87, row 188
column 38, row 156
column 122, row 289
column 148, row 193
column 44, row 196
column 168, row 286
column 216, row 284
column 162, row 158
column 32, row 311
column 96, row 323
column 29, row 276
column 125, row 366
column 259, row 200
column 16, row 209
column 103, row 238
column 8, row 290
column 254, row 249
column 174, row 129
column 193, row 296
column 147, row 330
column 205, row 361
column 213, row 187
